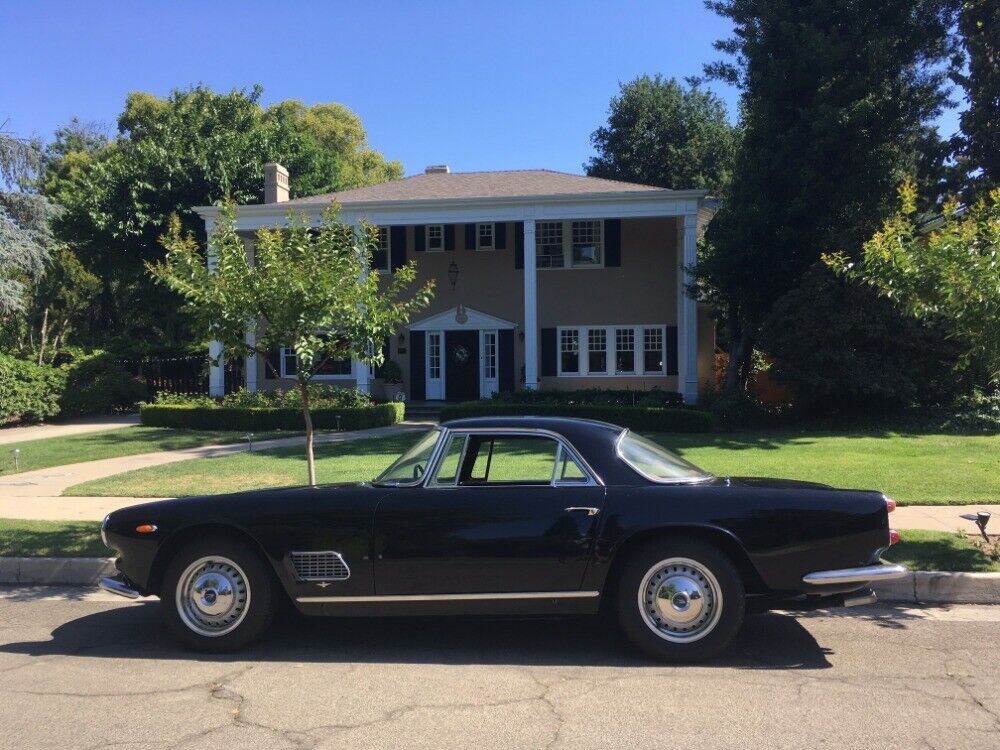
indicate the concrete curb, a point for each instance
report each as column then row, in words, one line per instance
column 50, row 571
column 939, row 587
column 920, row 587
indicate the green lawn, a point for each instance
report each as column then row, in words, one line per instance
column 20, row 538
column 939, row 550
column 125, row 441
column 918, row 550
column 914, row 469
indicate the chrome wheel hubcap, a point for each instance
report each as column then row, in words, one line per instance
column 680, row 600
column 213, row 596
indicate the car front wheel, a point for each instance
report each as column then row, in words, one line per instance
column 680, row 600
column 217, row 595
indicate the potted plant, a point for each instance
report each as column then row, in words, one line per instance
column 392, row 380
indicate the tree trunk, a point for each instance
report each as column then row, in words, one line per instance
column 738, row 368
column 310, row 458
column 44, row 334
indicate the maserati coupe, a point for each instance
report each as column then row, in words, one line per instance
column 510, row 516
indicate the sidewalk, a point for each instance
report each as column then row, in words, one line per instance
column 943, row 518
column 70, row 427
column 37, row 494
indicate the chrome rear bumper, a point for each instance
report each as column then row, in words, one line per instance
column 866, row 574
column 118, row 586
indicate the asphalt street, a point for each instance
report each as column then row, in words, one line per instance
column 82, row 670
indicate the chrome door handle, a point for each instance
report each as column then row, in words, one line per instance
column 578, row 509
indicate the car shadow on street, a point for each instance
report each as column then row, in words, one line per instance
column 768, row 641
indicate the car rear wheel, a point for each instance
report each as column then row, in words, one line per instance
column 680, row 600
column 217, row 595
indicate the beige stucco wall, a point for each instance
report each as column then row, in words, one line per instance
column 643, row 290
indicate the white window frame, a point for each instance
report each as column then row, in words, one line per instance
column 611, row 351
column 287, row 351
column 427, row 238
column 388, row 249
column 567, row 246
column 562, row 350
column 480, row 247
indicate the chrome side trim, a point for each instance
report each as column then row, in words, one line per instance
column 117, row 586
column 855, row 575
column 389, row 599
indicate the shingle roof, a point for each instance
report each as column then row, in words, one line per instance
column 508, row 184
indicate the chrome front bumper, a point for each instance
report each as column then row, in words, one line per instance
column 118, row 586
column 867, row 574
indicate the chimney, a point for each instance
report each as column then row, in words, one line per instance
column 437, row 169
column 275, row 183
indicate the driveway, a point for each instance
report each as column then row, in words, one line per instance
column 83, row 671
column 69, row 427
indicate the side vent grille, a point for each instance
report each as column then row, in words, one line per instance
column 320, row 566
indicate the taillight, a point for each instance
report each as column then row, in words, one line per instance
column 893, row 537
column 890, row 504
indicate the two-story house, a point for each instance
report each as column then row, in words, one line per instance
column 543, row 280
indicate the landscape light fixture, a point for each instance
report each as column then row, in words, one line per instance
column 250, row 437
column 980, row 518
column 16, row 453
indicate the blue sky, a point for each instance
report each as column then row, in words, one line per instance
column 476, row 85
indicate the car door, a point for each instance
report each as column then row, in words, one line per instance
column 502, row 513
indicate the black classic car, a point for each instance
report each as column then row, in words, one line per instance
column 502, row 516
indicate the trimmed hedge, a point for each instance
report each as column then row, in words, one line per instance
column 633, row 417
column 28, row 392
column 256, row 419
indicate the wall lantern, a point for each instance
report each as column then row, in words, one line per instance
column 402, row 339
column 453, row 273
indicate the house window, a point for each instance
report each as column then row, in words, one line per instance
column 434, row 356
column 652, row 350
column 569, row 244
column 329, row 368
column 586, row 243
column 569, row 350
column 484, row 237
column 638, row 350
column 489, row 356
column 597, row 350
column 380, row 257
column 435, row 238
column 625, row 350
column 549, row 244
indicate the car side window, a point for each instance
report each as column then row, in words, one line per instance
column 514, row 459
column 447, row 472
column 568, row 470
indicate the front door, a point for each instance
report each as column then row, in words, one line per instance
column 503, row 514
column 461, row 352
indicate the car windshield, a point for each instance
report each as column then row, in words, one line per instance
column 410, row 467
column 655, row 462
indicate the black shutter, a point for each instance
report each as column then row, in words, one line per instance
column 449, row 236
column 418, row 378
column 273, row 361
column 419, row 238
column 470, row 236
column 548, row 352
column 519, row 245
column 500, row 235
column 506, row 353
column 671, row 344
column 612, row 242
column 397, row 246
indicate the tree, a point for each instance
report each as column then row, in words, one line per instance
column 194, row 147
column 660, row 133
column 948, row 270
column 835, row 98
column 979, row 25
column 305, row 289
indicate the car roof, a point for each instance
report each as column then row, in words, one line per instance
column 555, row 424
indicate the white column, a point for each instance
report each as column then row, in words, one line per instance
column 250, row 363
column 687, row 309
column 530, row 308
column 217, row 366
column 362, row 372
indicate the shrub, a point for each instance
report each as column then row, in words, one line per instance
column 977, row 412
column 262, row 419
column 391, row 372
column 320, row 396
column 593, row 396
column 96, row 383
column 28, row 392
column 634, row 417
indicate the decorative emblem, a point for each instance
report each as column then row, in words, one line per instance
column 460, row 315
column 460, row 355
